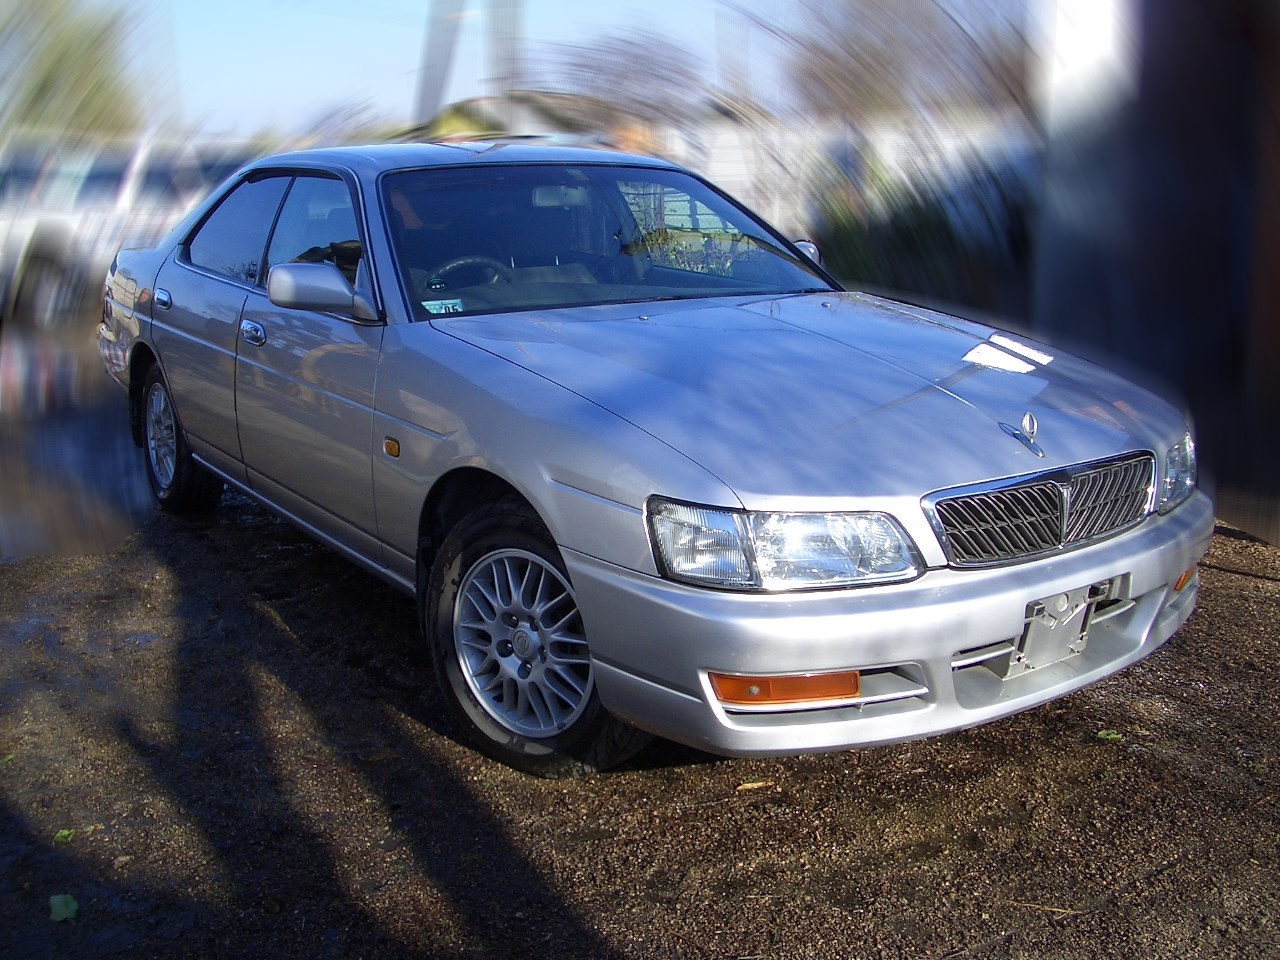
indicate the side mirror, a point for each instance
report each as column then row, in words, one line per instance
column 317, row 286
column 810, row 250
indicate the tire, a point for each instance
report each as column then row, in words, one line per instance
column 180, row 485
column 510, row 652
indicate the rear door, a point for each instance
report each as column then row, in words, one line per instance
column 199, row 295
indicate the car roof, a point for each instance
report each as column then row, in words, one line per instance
column 372, row 159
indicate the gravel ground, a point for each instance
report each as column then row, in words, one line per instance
column 217, row 739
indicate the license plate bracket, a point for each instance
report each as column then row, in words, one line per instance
column 1057, row 627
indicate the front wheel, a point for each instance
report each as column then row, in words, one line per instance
column 179, row 483
column 511, row 652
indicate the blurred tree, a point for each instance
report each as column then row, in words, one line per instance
column 62, row 70
column 866, row 58
column 643, row 75
column 356, row 120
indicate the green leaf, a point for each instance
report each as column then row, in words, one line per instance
column 63, row 906
column 1110, row 736
column 64, row 836
column 7, row 758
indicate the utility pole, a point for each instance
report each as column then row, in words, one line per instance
column 504, row 41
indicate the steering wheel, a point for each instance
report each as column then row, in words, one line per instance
column 498, row 269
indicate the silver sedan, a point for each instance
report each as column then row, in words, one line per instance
column 645, row 466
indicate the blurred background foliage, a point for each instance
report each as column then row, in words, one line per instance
column 964, row 237
column 948, row 222
column 64, row 72
column 864, row 59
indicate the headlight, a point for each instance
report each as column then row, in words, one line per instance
column 778, row 551
column 1179, row 477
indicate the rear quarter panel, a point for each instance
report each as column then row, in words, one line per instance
column 126, row 308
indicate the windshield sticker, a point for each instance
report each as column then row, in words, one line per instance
column 442, row 306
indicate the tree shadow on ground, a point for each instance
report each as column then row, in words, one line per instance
column 296, row 753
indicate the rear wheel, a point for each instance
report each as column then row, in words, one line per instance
column 510, row 650
column 179, row 483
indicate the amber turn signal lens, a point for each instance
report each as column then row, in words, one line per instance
column 392, row 446
column 1185, row 579
column 798, row 688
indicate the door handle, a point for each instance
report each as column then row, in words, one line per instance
column 253, row 333
column 162, row 298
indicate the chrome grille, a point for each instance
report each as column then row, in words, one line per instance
column 1040, row 514
column 1107, row 498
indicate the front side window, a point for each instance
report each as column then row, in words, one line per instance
column 503, row 238
column 232, row 239
column 317, row 225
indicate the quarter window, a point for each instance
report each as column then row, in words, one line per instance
column 231, row 241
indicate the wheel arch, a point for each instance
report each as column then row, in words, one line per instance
column 140, row 361
column 451, row 498
column 585, row 738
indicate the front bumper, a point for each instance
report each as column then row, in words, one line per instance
column 932, row 653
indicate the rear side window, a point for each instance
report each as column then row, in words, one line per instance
column 232, row 240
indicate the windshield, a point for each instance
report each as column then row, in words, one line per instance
column 493, row 238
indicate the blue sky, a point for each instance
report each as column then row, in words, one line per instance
column 239, row 66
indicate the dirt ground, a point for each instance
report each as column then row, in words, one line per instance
column 217, row 739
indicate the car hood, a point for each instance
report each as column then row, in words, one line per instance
column 831, row 395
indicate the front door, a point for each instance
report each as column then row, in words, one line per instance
column 304, row 380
